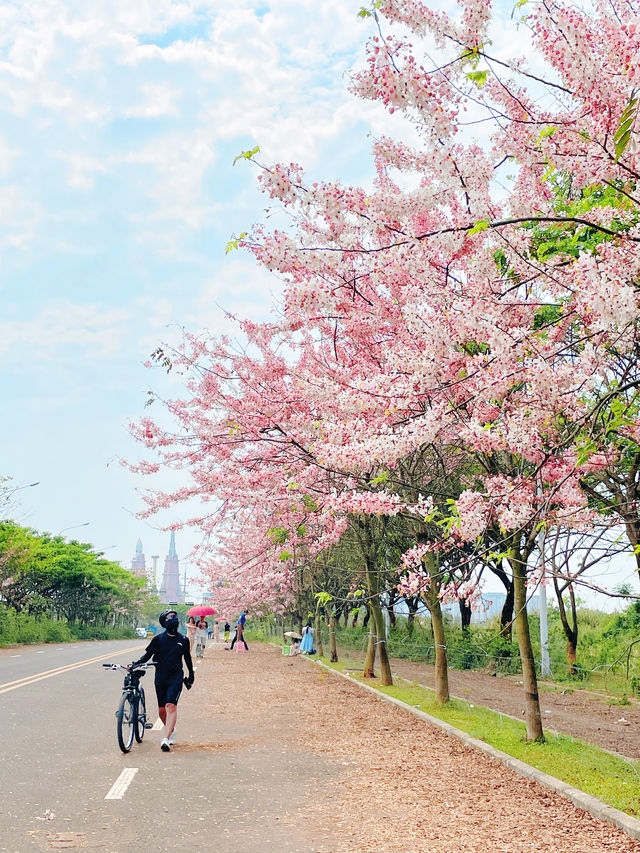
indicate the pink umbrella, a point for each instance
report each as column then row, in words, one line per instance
column 201, row 610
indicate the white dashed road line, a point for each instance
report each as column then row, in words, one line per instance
column 157, row 725
column 119, row 787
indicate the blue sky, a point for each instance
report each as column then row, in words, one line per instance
column 119, row 123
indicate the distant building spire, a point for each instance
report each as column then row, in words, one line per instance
column 170, row 591
column 138, row 564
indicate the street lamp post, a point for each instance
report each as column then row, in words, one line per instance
column 73, row 527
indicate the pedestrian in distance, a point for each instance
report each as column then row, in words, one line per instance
column 169, row 650
column 201, row 638
column 239, row 635
column 227, row 628
column 295, row 647
column 216, row 632
column 306, row 646
column 191, row 631
column 209, row 631
column 240, row 640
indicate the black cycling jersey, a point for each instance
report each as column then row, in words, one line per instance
column 168, row 650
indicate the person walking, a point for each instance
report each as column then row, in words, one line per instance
column 227, row 628
column 169, row 650
column 306, row 646
column 201, row 638
column 191, row 631
column 239, row 635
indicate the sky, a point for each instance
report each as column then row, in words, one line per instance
column 119, row 124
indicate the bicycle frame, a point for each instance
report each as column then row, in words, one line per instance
column 131, row 716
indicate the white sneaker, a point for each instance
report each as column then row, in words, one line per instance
column 172, row 738
column 165, row 745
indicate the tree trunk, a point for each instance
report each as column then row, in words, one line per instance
column 378, row 619
column 465, row 615
column 437, row 622
column 570, row 630
column 506, row 614
column 391, row 600
column 319, row 645
column 333, row 649
column 412, row 605
column 367, row 616
column 529, row 679
column 356, row 613
column 370, row 658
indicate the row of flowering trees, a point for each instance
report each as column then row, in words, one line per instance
column 453, row 368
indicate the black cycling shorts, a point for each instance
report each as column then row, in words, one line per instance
column 168, row 689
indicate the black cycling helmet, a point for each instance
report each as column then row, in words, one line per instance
column 164, row 615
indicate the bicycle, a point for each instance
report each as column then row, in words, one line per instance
column 131, row 716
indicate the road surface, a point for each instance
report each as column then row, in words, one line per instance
column 274, row 755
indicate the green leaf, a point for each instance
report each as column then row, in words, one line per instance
column 478, row 77
column 585, row 451
column 622, row 136
column 481, row 225
column 246, row 155
column 364, row 13
column 278, row 534
column 234, row 243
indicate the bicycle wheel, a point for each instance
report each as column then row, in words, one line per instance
column 126, row 718
column 141, row 716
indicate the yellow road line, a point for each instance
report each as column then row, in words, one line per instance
column 39, row 676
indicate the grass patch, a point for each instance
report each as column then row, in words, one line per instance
column 613, row 780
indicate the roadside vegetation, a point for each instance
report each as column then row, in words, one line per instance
column 53, row 590
column 609, row 777
column 609, row 645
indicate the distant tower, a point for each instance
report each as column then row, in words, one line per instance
column 138, row 564
column 170, row 592
column 155, row 559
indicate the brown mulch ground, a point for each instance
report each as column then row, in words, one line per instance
column 579, row 713
column 396, row 785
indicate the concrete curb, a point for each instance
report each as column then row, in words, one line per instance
column 602, row 811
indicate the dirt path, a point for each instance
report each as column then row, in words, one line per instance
column 576, row 712
column 389, row 782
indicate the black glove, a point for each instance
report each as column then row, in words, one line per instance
column 188, row 681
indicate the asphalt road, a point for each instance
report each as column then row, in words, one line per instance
column 60, row 759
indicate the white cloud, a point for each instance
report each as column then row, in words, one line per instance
column 159, row 100
column 19, row 217
column 96, row 330
column 179, row 162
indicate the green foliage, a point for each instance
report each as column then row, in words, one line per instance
column 45, row 577
column 234, row 242
column 369, row 13
column 479, row 78
column 622, row 136
column 23, row 629
column 481, row 224
column 246, row 155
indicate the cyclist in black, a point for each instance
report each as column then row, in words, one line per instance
column 168, row 650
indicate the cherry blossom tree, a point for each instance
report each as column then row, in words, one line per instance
column 435, row 309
